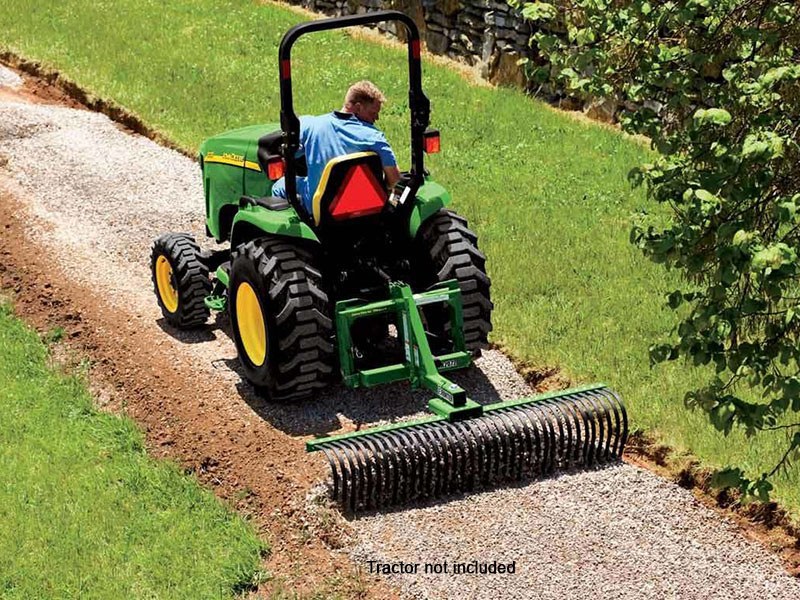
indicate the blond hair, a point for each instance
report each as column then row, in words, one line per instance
column 364, row 92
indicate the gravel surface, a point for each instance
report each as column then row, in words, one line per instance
column 616, row 532
column 100, row 196
column 9, row 78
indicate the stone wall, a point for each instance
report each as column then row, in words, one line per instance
column 487, row 33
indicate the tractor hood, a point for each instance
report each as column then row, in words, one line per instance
column 234, row 144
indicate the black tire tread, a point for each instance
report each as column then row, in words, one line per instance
column 301, row 309
column 452, row 249
column 191, row 277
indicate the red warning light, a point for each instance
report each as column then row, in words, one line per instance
column 432, row 143
column 275, row 168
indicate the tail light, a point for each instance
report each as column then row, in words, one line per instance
column 431, row 142
column 275, row 168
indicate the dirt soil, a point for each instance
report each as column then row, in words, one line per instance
column 259, row 467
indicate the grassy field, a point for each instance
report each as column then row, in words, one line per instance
column 547, row 194
column 85, row 513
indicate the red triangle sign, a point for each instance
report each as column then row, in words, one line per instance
column 361, row 194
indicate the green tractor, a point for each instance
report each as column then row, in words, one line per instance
column 373, row 286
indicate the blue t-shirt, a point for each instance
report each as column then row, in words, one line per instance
column 330, row 135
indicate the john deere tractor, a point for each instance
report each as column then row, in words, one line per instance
column 287, row 269
column 371, row 286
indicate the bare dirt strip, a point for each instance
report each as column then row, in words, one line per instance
column 81, row 200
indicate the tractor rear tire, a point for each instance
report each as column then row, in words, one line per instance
column 281, row 319
column 451, row 250
column 180, row 280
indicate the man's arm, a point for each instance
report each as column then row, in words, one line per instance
column 392, row 176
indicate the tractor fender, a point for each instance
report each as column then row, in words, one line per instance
column 255, row 221
column 431, row 197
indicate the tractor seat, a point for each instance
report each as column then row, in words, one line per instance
column 351, row 186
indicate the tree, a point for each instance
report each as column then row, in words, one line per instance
column 715, row 85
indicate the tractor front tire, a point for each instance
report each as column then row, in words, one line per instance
column 180, row 280
column 281, row 319
column 450, row 248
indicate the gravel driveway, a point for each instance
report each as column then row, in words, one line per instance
column 100, row 195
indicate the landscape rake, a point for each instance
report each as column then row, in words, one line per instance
column 465, row 446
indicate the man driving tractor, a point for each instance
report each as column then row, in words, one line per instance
column 340, row 132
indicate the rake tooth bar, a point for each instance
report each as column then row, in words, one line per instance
column 590, row 428
column 511, row 441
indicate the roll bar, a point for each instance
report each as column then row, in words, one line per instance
column 417, row 101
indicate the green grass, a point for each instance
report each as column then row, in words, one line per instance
column 547, row 195
column 85, row 513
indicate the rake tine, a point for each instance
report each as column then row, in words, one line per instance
column 608, row 408
column 364, row 472
column 542, row 426
column 407, row 485
column 441, row 485
column 557, row 441
column 339, row 447
column 496, row 434
column 567, row 404
column 623, row 437
column 455, row 458
column 563, row 423
column 613, row 422
column 330, row 455
column 391, row 474
column 357, row 477
column 432, row 466
column 465, row 440
column 511, row 415
column 602, row 421
column 590, row 447
column 513, row 451
column 423, row 461
column 484, row 454
column 377, row 456
column 535, row 459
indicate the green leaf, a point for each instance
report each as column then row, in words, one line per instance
column 759, row 489
column 729, row 477
column 787, row 211
column 791, row 387
column 778, row 74
column 764, row 144
column 675, row 299
column 773, row 257
column 661, row 352
column 742, row 238
column 723, row 329
column 706, row 196
column 585, row 36
column 539, row 11
column 728, row 274
column 712, row 116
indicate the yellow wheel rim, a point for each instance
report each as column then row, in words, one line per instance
column 250, row 322
column 167, row 293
